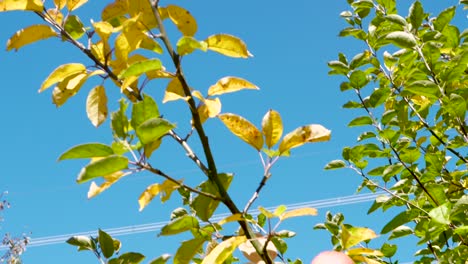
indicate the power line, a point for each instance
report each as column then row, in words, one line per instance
column 151, row 227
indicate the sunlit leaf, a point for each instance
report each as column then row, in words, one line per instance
column 364, row 251
column 89, row 150
column 62, row 72
column 102, row 167
column 251, row 254
column 302, row 135
column 161, row 259
column 74, row 27
column 95, row 189
column 230, row 84
column 55, row 15
column 231, row 218
column 205, row 206
column 30, row 5
column 352, row 236
column 187, row 45
column 141, row 67
column 223, row 250
column 228, row 45
column 144, row 110
column 441, row 214
column 182, row 18
column 68, row 87
column 401, row 39
column 298, row 212
column 96, row 105
column 29, row 35
column 335, row 164
column 243, row 129
column 129, row 258
column 82, row 242
column 115, row 9
column 188, row 250
column 179, row 225
column 74, row 4
column 209, row 108
column 153, row 129
column 272, row 127
column 106, row 244
column 164, row 189
column 174, row 91
column 60, row 3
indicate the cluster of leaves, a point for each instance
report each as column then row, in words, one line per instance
column 13, row 247
column 126, row 47
column 411, row 83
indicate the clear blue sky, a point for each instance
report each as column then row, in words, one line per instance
column 291, row 43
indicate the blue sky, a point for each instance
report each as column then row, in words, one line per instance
column 291, row 43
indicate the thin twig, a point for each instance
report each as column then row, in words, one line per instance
column 189, row 151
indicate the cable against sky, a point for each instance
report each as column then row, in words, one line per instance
column 151, row 227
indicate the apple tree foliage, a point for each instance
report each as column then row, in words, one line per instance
column 129, row 49
column 410, row 87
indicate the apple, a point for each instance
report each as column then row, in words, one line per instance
column 332, row 257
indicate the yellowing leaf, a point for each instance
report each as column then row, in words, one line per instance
column 251, row 254
column 243, row 129
column 298, row 212
column 364, row 251
column 223, row 250
column 354, row 235
column 209, row 108
column 60, row 3
column 230, row 84
column 30, row 5
column 143, row 9
column 96, row 105
column 141, row 67
column 56, row 15
column 116, row 9
column 74, row 4
column 182, row 18
column 187, row 45
column 228, row 45
column 174, row 91
column 165, row 189
column 62, row 72
column 231, row 218
column 272, row 128
column 68, row 88
column 302, row 135
column 95, row 190
column 29, row 35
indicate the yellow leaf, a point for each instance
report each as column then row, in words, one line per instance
column 174, row 91
column 272, row 128
column 115, row 9
column 243, row 129
column 362, row 259
column 231, row 218
column 364, row 251
column 228, row 45
column 230, row 84
column 74, row 4
column 165, row 189
column 68, row 88
column 182, row 18
column 98, row 50
column 30, row 5
column 60, row 3
column 96, row 105
column 56, row 15
column 302, row 135
column 223, row 250
column 62, row 72
column 208, row 108
column 352, row 236
column 29, row 35
column 159, row 74
column 298, row 212
column 95, row 190
column 143, row 9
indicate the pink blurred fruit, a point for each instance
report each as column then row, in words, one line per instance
column 332, row 257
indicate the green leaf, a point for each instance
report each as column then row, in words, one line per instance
column 188, row 250
column 441, row 214
column 358, row 79
column 106, row 243
column 74, row 27
column 128, row 258
column 141, row 67
column 89, row 150
column 397, row 221
column 119, row 120
column 425, row 88
column 444, row 18
column 388, row 250
column 144, row 110
column 161, row 259
column 102, row 167
column 360, row 121
column 416, row 15
column 410, row 155
column 187, row 45
column 179, row 225
column 392, row 170
column 401, row 39
column 397, row 19
column 335, row 164
column 352, row 236
column 82, row 242
column 455, row 105
column 153, row 129
column 280, row 244
column 205, row 206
